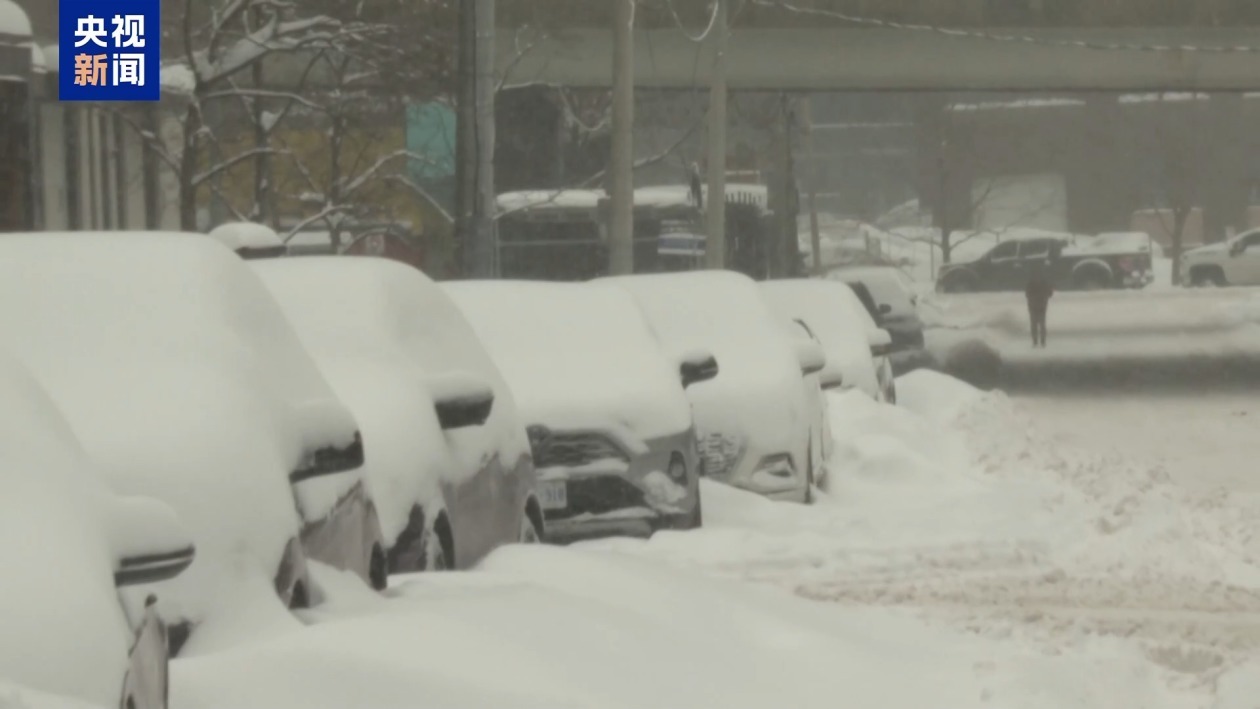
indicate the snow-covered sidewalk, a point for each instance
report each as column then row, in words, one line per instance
column 957, row 560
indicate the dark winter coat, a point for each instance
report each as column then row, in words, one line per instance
column 1038, row 292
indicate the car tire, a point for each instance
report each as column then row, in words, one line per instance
column 960, row 283
column 378, row 569
column 1091, row 279
column 438, row 547
column 1207, row 277
column 529, row 533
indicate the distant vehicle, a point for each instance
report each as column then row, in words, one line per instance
column 183, row 380
column 753, row 420
column 447, row 457
column 857, row 349
column 1108, row 261
column 892, row 301
column 1232, row 263
column 607, row 415
column 70, row 547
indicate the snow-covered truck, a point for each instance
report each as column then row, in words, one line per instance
column 1120, row 260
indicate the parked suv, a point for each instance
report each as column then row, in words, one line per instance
column 1107, row 261
column 70, row 547
column 895, row 302
column 753, row 420
column 448, row 462
column 608, row 418
column 184, row 382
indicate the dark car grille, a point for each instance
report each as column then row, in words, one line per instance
column 571, row 450
column 599, row 495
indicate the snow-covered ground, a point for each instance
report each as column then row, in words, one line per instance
column 1145, row 324
column 961, row 558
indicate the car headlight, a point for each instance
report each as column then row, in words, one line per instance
column 677, row 468
column 778, row 465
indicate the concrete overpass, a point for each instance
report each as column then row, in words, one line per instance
column 856, row 59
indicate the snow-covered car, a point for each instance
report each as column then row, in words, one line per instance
column 447, row 459
column 1231, row 263
column 897, row 302
column 857, row 348
column 752, row 421
column 184, row 382
column 69, row 546
column 608, row 418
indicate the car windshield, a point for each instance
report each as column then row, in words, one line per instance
column 1040, row 443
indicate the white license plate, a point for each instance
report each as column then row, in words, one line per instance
column 553, row 494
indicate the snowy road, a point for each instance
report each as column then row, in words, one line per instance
column 1001, row 552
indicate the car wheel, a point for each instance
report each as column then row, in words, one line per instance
column 378, row 570
column 438, row 547
column 958, row 284
column 1092, row 280
column 1205, row 277
column 529, row 530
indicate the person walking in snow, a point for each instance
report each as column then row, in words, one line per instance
column 1038, row 293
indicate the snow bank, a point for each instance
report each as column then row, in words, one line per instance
column 521, row 634
column 13, row 696
column 58, row 598
column 378, row 311
column 184, row 382
column 839, row 321
column 13, row 20
column 1157, row 323
column 578, row 356
column 757, row 395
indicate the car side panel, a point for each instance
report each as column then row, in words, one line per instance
column 345, row 537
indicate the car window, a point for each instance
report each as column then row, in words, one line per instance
column 1035, row 249
column 1009, row 249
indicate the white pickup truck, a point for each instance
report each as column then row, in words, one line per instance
column 1231, row 263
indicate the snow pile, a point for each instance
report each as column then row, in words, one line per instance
column 578, row 356
column 183, row 380
column 839, row 321
column 546, row 627
column 178, row 79
column 13, row 20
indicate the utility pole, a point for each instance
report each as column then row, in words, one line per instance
column 621, row 174
column 715, row 219
column 466, row 140
column 487, row 202
column 474, row 142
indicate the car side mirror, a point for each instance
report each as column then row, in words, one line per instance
column 149, row 542
column 697, row 367
column 831, row 380
column 461, row 400
column 810, row 356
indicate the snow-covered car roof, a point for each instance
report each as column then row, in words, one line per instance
column 376, row 309
column 63, row 629
column 184, row 382
column 549, row 199
column 758, row 383
column 577, row 356
column 247, row 236
column 837, row 318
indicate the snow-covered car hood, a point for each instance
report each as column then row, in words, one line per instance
column 578, row 356
column 1208, row 250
